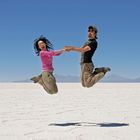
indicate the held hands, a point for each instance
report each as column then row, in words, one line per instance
column 67, row 48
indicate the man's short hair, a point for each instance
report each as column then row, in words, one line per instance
column 92, row 28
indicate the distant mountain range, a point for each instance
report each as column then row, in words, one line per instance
column 106, row 79
column 116, row 78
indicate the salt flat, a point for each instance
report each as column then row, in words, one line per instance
column 107, row 111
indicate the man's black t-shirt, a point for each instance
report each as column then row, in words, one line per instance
column 86, row 57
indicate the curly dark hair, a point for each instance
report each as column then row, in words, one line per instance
column 49, row 45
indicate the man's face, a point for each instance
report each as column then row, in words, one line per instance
column 91, row 34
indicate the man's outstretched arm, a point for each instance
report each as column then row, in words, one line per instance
column 77, row 49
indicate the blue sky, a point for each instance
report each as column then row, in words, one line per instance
column 65, row 22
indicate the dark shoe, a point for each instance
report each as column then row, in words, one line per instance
column 106, row 69
column 36, row 78
column 102, row 69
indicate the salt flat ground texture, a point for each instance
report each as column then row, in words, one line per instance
column 107, row 111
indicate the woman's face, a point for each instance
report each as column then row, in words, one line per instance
column 41, row 45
